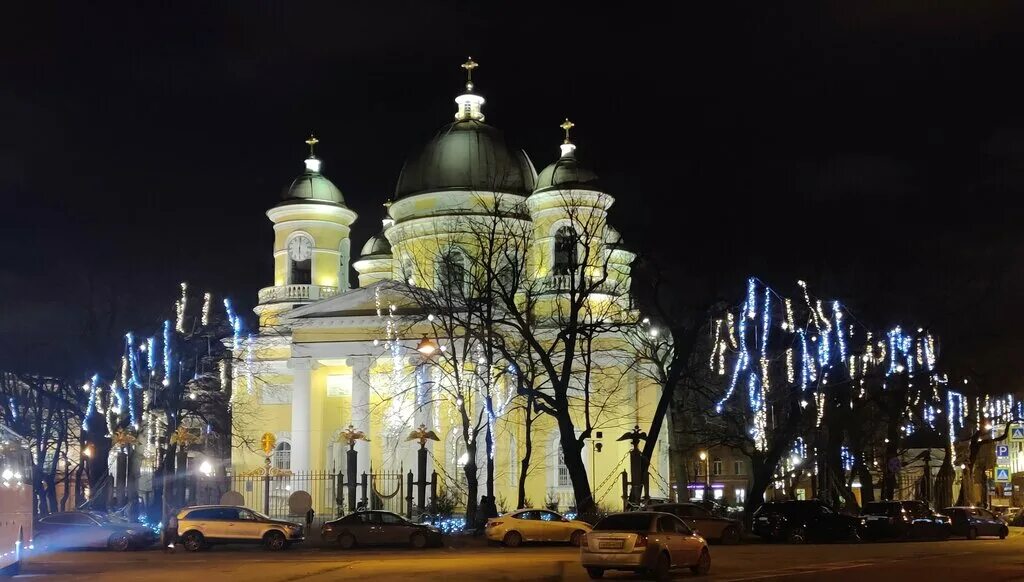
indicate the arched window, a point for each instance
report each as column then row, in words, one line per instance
column 300, row 260
column 563, row 470
column 566, row 252
column 283, row 455
column 344, row 256
column 451, row 272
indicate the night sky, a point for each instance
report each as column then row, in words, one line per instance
column 876, row 151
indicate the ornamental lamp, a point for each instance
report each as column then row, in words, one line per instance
column 426, row 346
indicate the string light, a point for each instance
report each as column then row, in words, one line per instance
column 206, row 309
column 179, row 308
column 167, row 353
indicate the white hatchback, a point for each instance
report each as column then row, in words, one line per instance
column 534, row 525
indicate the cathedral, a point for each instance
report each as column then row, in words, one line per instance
column 329, row 358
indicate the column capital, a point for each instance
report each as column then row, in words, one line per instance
column 359, row 362
column 306, row 363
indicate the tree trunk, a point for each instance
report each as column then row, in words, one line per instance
column 867, row 486
column 524, row 464
column 489, row 442
column 572, row 451
column 760, row 479
column 472, row 486
column 943, row 496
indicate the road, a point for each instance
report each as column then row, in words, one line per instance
column 988, row 560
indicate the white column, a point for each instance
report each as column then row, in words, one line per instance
column 302, row 369
column 361, row 408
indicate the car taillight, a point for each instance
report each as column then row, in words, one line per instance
column 641, row 541
column 491, row 524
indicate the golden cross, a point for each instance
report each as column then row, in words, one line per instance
column 567, row 125
column 469, row 66
column 312, row 141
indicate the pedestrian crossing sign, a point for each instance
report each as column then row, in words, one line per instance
column 1017, row 433
column 1002, row 474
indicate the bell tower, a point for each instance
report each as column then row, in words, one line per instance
column 311, row 242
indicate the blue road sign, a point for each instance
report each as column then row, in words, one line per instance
column 1002, row 474
column 1002, row 450
column 1017, row 434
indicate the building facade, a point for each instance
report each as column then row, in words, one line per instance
column 331, row 354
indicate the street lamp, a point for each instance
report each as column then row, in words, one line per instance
column 707, row 474
column 206, row 468
column 426, row 346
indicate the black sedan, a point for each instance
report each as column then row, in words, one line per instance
column 90, row 529
column 904, row 520
column 379, row 528
column 973, row 522
column 798, row 522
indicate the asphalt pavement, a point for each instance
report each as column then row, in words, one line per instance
column 989, row 560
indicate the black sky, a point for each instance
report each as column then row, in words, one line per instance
column 874, row 149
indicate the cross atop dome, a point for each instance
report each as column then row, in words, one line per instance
column 567, row 147
column 469, row 65
column 312, row 162
column 469, row 103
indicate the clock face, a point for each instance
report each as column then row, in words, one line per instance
column 300, row 248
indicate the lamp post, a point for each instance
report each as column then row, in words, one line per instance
column 707, row 474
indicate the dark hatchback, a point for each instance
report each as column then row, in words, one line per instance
column 904, row 520
column 973, row 522
column 379, row 528
column 797, row 522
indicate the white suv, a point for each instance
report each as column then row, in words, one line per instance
column 203, row 525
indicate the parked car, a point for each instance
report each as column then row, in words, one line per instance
column 797, row 522
column 973, row 522
column 90, row 529
column 647, row 542
column 379, row 528
column 201, row 526
column 534, row 525
column 904, row 520
column 714, row 528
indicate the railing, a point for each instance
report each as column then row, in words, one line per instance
column 286, row 293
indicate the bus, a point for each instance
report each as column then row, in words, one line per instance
column 15, row 500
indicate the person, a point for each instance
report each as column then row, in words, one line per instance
column 309, row 519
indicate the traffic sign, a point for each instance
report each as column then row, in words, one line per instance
column 1017, row 433
column 1002, row 474
column 1002, row 450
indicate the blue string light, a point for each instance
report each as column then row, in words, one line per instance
column 92, row 400
column 167, row 352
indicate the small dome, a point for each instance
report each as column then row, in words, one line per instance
column 313, row 186
column 567, row 172
column 376, row 246
column 467, row 155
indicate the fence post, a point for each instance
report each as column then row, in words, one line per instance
column 625, row 491
column 351, row 471
column 433, row 494
column 408, row 499
column 339, row 496
column 421, row 477
column 266, row 488
column 365, row 484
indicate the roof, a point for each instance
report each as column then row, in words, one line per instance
column 312, row 186
column 467, row 155
column 567, row 172
column 376, row 246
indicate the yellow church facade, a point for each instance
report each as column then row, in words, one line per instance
column 333, row 353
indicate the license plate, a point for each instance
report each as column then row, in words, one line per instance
column 610, row 545
column 877, row 518
column 762, row 519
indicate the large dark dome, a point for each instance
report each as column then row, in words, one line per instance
column 467, row 155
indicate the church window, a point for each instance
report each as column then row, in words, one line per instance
column 563, row 469
column 451, row 272
column 339, row 385
column 566, row 253
column 283, row 456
